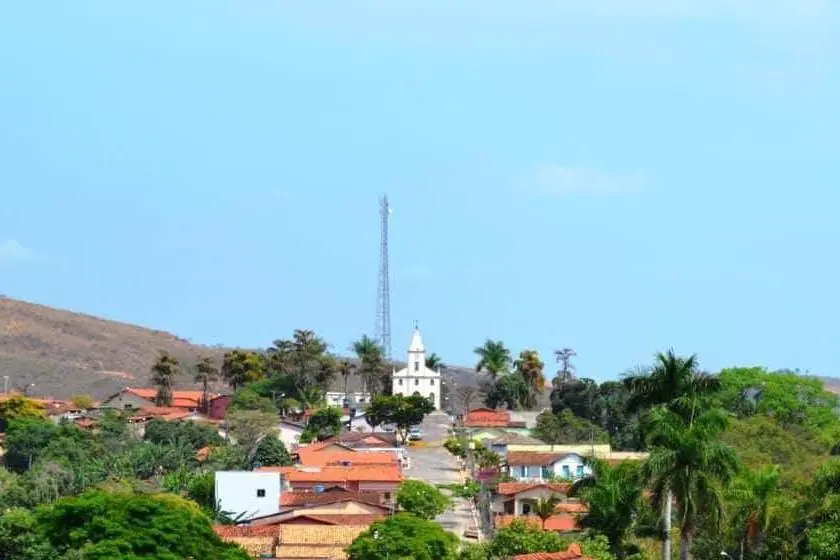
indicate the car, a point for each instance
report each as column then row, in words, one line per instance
column 415, row 435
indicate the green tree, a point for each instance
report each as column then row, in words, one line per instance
column 545, row 508
column 754, row 496
column 822, row 516
column 82, row 401
column 509, row 390
column 566, row 428
column 613, row 496
column 323, row 424
column 246, row 398
column 399, row 410
column 206, row 373
column 404, row 537
column 371, row 363
column 240, row 367
column 20, row 538
column 164, row 371
column 433, row 362
column 493, row 357
column 102, row 526
column 304, row 361
column 688, row 460
column 248, row 427
column 346, row 368
column 193, row 434
column 521, row 537
column 26, row 439
column 530, row 368
column 15, row 407
column 421, row 499
column 271, row 452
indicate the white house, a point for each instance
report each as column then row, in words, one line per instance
column 248, row 493
column 534, row 466
column 416, row 377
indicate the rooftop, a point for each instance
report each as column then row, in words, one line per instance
column 533, row 458
column 571, row 553
column 339, row 475
column 513, row 488
column 560, row 523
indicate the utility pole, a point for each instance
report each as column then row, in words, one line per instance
column 383, row 296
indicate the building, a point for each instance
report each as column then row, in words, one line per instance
column 248, row 494
column 384, row 480
column 571, row 553
column 535, row 466
column 601, row 451
column 416, row 377
column 189, row 401
column 519, row 498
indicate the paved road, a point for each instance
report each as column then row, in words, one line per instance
column 433, row 464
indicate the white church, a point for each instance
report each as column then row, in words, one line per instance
column 416, row 377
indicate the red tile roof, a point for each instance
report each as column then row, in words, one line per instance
column 561, row 523
column 339, row 475
column 180, row 399
column 533, row 458
column 301, row 499
column 486, row 418
column 571, row 507
column 336, row 518
column 572, row 553
column 512, row 488
column 245, row 530
column 352, row 458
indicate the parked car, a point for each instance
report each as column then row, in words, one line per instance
column 415, row 435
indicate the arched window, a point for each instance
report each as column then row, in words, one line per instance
column 417, row 382
column 432, row 397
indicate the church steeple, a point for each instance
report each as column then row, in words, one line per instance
column 416, row 352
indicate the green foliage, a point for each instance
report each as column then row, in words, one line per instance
column 26, row 439
column 493, row 357
column 468, row 490
column 16, row 407
column 240, row 367
column 193, row 434
column 530, row 368
column 104, row 526
column 206, row 373
column 399, row 410
column 521, row 537
column 421, row 499
column 82, row 401
column 304, row 361
column 566, row 428
column 20, row 538
column 245, row 398
column 371, row 363
column 509, row 390
column 323, row 424
column 248, row 427
column 404, row 537
column 454, row 446
column 164, row 370
column 271, row 452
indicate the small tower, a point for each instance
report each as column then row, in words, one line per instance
column 415, row 377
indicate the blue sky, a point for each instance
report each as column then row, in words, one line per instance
column 612, row 175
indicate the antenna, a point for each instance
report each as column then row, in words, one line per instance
column 383, row 296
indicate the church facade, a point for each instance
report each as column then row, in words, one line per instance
column 416, row 377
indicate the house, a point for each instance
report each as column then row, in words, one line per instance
column 599, row 451
column 528, row 466
column 258, row 541
column 314, row 542
column 384, row 480
column 558, row 523
column 486, row 418
column 518, row 498
column 289, row 432
column 350, row 508
column 190, row 401
column 500, row 444
column 350, row 446
column 248, row 493
column 571, row 553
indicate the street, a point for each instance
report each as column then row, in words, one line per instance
column 433, row 464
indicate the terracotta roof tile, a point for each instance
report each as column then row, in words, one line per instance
column 562, row 523
column 533, row 458
column 339, row 475
column 571, row 507
column 299, row 499
column 310, row 552
column 319, row 534
column 180, row 399
column 511, row 488
column 226, row 531
column 571, row 553
column 350, row 458
column 337, row 518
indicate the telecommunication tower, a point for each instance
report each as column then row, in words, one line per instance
column 383, row 296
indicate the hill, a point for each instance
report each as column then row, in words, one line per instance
column 65, row 353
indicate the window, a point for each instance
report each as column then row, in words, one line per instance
column 566, row 472
column 432, row 382
column 526, row 508
column 416, row 366
column 547, row 472
column 579, row 471
column 432, row 397
column 400, row 382
column 417, row 382
column 387, row 496
column 523, row 471
column 261, row 493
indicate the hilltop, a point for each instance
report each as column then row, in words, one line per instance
column 64, row 353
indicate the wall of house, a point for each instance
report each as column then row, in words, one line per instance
column 125, row 400
column 289, row 435
column 344, row 508
column 219, row 406
column 571, row 467
column 250, row 492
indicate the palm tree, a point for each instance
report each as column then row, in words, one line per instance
column 434, row 362
column 163, row 371
column 530, row 368
column 756, row 496
column 493, row 358
column 689, row 462
column 545, row 508
column 206, row 373
column 346, row 368
column 371, row 364
column 240, row 367
column 613, row 496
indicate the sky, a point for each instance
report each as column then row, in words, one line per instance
column 616, row 176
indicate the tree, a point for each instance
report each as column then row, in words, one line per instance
column 240, row 367
column 404, row 537
column 101, row 526
column 566, row 428
column 613, row 496
column 399, row 410
column 688, row 460
column 82, row 401
column 248, row 427
column 164, row 370
column 421, row 499
column 434, row 362
column 508, row 390
column 755, row 496
column 304, row 360
column 323, row 424
column 371, row 363
column 246, row 398
column 566, row 373
column 193, row 434
column 581, row 396
column 530, row 368
column 545, row 508
column 26, row 439
column 346, row 368
column 521, row 537
column 206, row 373
column 272, row 452
column 494, row 358
column 15, row 407
column 20, row 538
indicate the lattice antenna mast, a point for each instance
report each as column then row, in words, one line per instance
column 383, row 296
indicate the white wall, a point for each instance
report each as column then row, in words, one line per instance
column 254, row 493
column 571, row 461
column 426, row 383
